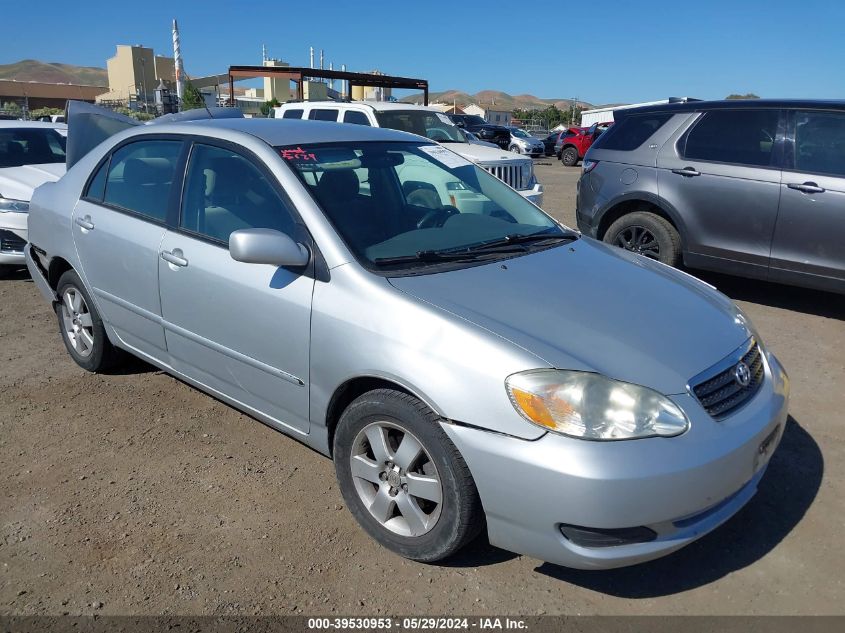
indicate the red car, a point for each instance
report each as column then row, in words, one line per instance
column 574, row 143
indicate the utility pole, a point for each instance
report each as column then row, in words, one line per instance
column 144, row 80
column 572, row 116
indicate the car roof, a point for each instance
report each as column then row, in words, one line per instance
column 32, row 124
column 379, row 106
column 288, row 131
column 735, row 104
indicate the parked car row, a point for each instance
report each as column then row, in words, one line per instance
column 516, row 172
column 465, row 360
column 752, row 188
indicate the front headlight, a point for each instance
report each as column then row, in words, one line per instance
column 592, row 407
column 19, row 206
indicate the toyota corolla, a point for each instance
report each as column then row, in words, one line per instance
column 467, row 362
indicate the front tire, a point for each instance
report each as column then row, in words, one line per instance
column 569, row 157
column 515, row 149
column 402, row 478
column 81, row 327
column 648, row 234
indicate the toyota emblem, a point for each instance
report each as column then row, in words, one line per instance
column 742, row 374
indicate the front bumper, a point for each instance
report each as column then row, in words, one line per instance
column 535, row 194
column 12, row 226
column 681, row 488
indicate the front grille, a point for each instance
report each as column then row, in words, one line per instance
column 11, row 243
column 510, row 174
column 722, row 392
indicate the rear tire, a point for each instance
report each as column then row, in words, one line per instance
column 82, row 328
column 569, row 157
column 402, row 478
column 648, row 234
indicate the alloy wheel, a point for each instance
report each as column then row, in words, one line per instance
column 638, row 239
column 396, row 479
column 77, row 323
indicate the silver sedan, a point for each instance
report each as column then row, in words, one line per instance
column 466, row 361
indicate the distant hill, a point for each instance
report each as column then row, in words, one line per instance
column 497, row 98
column 34, row 70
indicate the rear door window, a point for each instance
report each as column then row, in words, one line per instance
column 140, row 176
column 323, row 114
column 820, row 142
column 353, row 116
column 632, row 131
column 742, row 137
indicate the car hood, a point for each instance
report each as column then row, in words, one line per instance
column 531, row 142
column 18, row 183
column 593, row 307
column 480, row 153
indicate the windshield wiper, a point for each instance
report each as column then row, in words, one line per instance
column 519, row 238
column 433, row 256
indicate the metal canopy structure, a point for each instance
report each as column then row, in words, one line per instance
column 300, row 74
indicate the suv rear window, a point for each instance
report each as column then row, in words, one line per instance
column 323, row 115
column 744, row 137
column 632, row 131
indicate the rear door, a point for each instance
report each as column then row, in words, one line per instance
column 241, row 329
column 808, row 244
column 118, row 226
column 722, row 176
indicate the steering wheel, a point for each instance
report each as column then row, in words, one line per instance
column 436, row 217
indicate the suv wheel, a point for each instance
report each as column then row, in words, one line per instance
column 403, row 479
column 569, row 156
column 81, row 327
column 648, row 234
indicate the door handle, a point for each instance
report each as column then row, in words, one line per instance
column 174, row 257
column 806, row 187
column 687, row 171
column 85, row 223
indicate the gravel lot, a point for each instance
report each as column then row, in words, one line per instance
column 136, row 494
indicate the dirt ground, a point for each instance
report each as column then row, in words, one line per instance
column 136, row 494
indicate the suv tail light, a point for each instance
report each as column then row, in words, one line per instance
column 589, row 165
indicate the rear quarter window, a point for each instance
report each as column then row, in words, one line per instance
column 632, row 131
column 293, row 113
column 322, row 114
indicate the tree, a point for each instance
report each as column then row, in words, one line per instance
column 747, row 95
column 12, row 108
column 192, row 98
column 267, row 105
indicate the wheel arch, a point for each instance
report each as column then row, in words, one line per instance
column 640, row 202
column 58, row 267
column 357, row 386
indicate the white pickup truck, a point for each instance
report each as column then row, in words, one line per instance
column 518, row 172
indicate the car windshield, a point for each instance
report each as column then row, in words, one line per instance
column 30, row 146
column 399, row 205
column 520, row 133
column 474, row 119
column 434, row 125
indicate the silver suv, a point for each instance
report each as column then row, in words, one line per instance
column 752, row 188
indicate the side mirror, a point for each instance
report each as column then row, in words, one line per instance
column 267, row 246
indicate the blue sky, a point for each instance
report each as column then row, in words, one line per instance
column 608, row 51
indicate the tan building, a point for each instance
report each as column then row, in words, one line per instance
column 135, row 72
column 276, row 87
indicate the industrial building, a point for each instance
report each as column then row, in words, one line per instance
column 134, row 74
column 31, row 95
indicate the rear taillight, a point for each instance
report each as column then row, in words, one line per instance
column 589, row 165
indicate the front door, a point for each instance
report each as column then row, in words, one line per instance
column 118, row 226
column 242, row 330
column 723, row 178
column 809, row 243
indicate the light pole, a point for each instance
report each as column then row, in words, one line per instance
column 144, row 82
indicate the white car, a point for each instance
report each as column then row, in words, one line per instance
column 517, row 172
column 31, row 153
column 523, row 143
